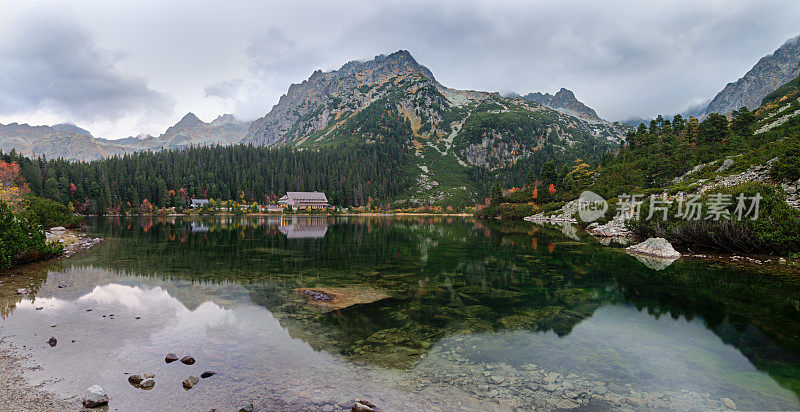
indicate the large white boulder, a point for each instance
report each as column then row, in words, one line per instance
column 657, row 247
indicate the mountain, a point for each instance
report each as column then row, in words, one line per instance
column 74, row 143
column 454, row 135
column 768, row 74
column 324, row 102
column 564, row 101
column 191, row 131
column 63, row 140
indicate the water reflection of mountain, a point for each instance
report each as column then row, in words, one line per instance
column 449, row 276
column 300, row 227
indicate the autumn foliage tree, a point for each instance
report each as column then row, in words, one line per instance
column 12, row 186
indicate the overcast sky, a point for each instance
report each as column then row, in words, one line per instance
column 124, row 68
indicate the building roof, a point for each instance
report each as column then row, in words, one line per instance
column 200, row 201
column 306, row 197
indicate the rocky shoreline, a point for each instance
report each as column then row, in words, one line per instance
column 73, row 242
column 16, row 394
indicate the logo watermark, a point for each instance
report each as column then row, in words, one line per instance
column 591, row 206
column 717, row 206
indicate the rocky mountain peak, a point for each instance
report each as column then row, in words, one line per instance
column 564, row 101
column 225, row 119
column 771, row 72
column 188, row 122
column 325, row 96
column 69, row 127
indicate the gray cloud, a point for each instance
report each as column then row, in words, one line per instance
column 228, row 89
column 623, row 58
column 48, row 63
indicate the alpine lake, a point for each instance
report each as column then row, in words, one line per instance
column 406, row 312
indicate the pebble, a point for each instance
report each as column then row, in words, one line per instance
column 207, row 374
column 187, row 360
column 189, row 382
column 728, row 403
column 52, row 342
column 248, row 408
column 135, row 380
column 171, row 357
column 148, row 376
column 497, row 379
column 147, row 384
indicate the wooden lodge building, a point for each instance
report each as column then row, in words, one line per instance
column 304, row 200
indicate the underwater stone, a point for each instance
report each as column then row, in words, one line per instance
column 316, row 295
column 189, row 382
column 135, row 380
column 728, row 403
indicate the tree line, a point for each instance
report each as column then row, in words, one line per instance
column 353, row 176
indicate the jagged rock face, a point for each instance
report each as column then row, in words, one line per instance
column 331, row 97
column 768, row 74
column 566, row 102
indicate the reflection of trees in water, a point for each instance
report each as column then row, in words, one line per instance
column 30, row 277
column 751, row 311
column 455, row 277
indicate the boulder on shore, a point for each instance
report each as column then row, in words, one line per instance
column 364, row 406
column 95, row 396
column 656, row 247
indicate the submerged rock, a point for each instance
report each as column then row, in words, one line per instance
column 316, row 295
column 248, row 408
column 334, row 298
column 95, row 396
column 135, row 380
column 147, row 384
column 187, row 360
column 52, row 342
column 171, row 357
column 149, row 376
column 657, row 247
column 728, row 403
column 207, row 374
column 189, row 382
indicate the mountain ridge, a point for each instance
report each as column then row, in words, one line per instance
column 768, row 74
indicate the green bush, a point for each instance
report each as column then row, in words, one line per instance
column 788, row 165
column 511, row 211
column 21, row 241
column 47, row 213
column 776, row 230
